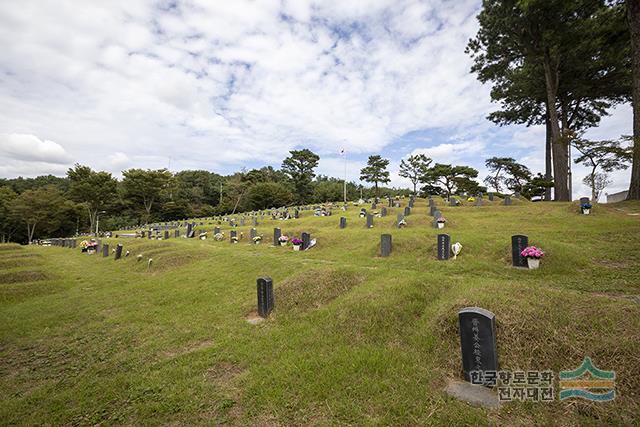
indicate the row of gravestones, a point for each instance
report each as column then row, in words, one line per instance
column 64, row 243
column 477, row 334
column 518, row 243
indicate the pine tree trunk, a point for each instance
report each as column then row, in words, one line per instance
column 559, row 148
column 633, row 9
column 548, row 174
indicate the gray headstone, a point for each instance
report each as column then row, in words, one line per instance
column 254, row 221
column 105, row 250
column 479, row 201
column 369, row 220
column 453, row 201
column 518, row 243
column 177, row 233
column 216, row 230
column 253, row 233
column 399, row 217
column 265, row 296
column 444, row 246
column 383, row 211
column 306, row 240
column 166, row 234
column 478, row 344
column 491, row 197
column 385, row 245
column 437, row 214
column 276, row 236
column 242, row 222
column 343, row 222
column 432, row 210
column 118, row 251
column 232, row 234
column 407, row 211
column 507, row 201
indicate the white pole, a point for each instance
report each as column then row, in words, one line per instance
column 345, row 177
column 97, row 222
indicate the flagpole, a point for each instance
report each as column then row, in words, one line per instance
column 345, row 176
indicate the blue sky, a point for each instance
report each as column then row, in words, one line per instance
column 220, row 86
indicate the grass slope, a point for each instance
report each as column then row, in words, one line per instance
column 354, row 339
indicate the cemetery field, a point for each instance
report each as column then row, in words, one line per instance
column 354, row 338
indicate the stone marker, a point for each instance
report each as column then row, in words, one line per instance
column 407, row 211
column 306, row 241
column 479, row 201
column 166, row 235
column 383, row 211
column 189, row 229
column 478, row 344
column 507, row 201
column 177, row 233
column 232, row 234
column 118, row 251
column 584, row 200
column 399, row 218
column 216, row 230
column 518, row 243
column 491, row 197
column 265, row 296
column 149, row 235
column 276, row 236
column 385, row 245
column 254, row 221
column 253, row 233
column 453, row 202
column 105, row 250
column 343, row 222
column 369, row 220
column 437, row 214
column 444, row 247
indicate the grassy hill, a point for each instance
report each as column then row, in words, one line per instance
column 354, row 339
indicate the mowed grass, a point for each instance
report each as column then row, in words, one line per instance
column 354, row 339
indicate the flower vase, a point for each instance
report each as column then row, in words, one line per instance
column 533, row 263
column 586, row 211
column 441, row 225
column 296, row 247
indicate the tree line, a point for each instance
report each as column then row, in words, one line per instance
column 86, row 200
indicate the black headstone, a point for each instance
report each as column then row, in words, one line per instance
column 232, row 234
column 478, row 344
column 166, row 234
column 306, row 241
column 118, row 251
column 407, row 211
column 444, row 246
column 343, row 222
column 584, row 200
column 105, row 250
column 369, row 220
column 276, row 236
column 385, row 245
column 265, row 296
column 518, row 243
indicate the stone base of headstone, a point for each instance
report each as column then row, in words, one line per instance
column 475, row 395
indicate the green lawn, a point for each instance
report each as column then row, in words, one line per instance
column 354, row 339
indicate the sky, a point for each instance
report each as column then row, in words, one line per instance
column 222, row 86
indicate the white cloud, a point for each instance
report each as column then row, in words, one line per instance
column 27, row 147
